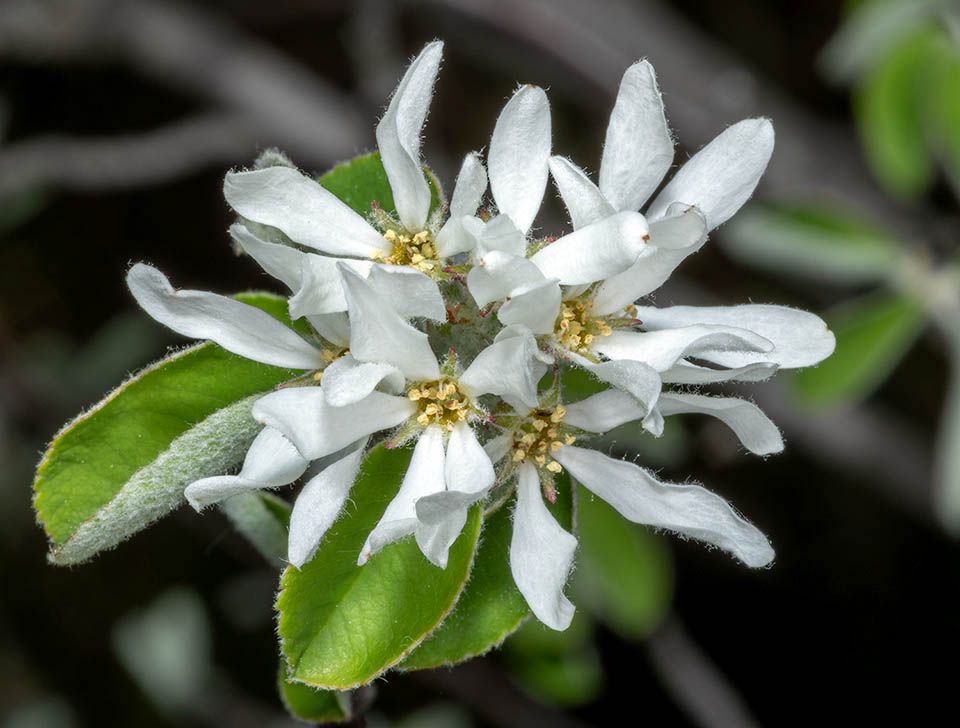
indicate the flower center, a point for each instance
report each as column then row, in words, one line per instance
column 577, row 328
column 440, row 403
column 416, row 251
column 539, row 436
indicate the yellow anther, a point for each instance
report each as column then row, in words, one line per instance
column 414, row 394
column 552, row 433
column 428, row 250
column 449, row 389
column 376, row 254
column 588, row 339
column 528, row 439
column 569, row 439
column 416, row 258
column 328, row 356
column 452, row 404
column 519, row 455
column 554, row 467
column 541, row 459
column 431, row 409
column 461, row 414
column 317, row 376
column 555, row 445
column 390, row 236
column 423, row 419
column 538, row 425
column 421, row 237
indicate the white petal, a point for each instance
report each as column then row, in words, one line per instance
column 272, row 460
column 636, row 377
column 533, row 306
column 334, row 327
column 398, row 137
column 582, row 198
column 424, row 476
column 470, row 186
column 498, row 274
column 347, row 381
column 317, row 428
column 519, row 153
column 281, row 261
column 409, row 292
column 687, row 509
column 663, row 349
column 508, row 367
column 604, row 411
column 319, row 504
column 722, row 176
column 638, row 149
column 468, row 468
column 310, row 215
column 458, row 235
column 800, row 338
column 498, row 447
column 502, row 234
column 379, row 334
column 541, row 554
column 755, row 430
column 687, row 373
column 237, row 327
column 596, row 251
column 321, row 288
column 672, row 238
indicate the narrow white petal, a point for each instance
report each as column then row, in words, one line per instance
column 722, row 176
column 541, row 554
column 594, row 252
column 281, row 261
column 424, row 476
column 468, row 467
column 458, row 235
column 635, row 377
column 533, row 306
column 317, row 428
column 347, row 380
column 321, row 287
column 470, row 186
column 498, row 447
column 604, row 411
column 409, row 292
column 800, row 338
column 690, row 510
column 379, row 334
column 398, row 137
column 672, row 238
column 663, row 349
column 499, row 274
column 237, row 327
column 583, row 200
column 755, row 430
column 319, row 504
column 687, row 373
column 502, row 234
column 519, row 154
column 638, row 149
column 272, row 460
column 334, row 327
column 508, row 367
column 310, row 215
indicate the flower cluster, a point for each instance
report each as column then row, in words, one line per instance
column 435, row 325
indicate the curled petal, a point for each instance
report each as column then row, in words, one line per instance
column 271, row 461
column 638, row 150
column 541, row 554
column 321, row 287
column 583, row 200
column 469, row 188
column 636, row 377
column 319, row 504
column 299, row 207
column 458, row 235
column 686, row 373
column 317, row 428
column 594, row 252
column 604, row 411
column 690, row 510
column 501, row 234
column 533, row 306
column 722, row 176
column 509, row 367
column 755, row 430
column 334, row 327
column 499, row 274
column 281, row 261
column 237, row 327
column 347, row 381
column 519, row 154
column 412, row 294
column 800, row 339
column 398, row 137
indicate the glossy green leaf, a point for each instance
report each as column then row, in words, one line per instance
column 341, row 625
column 124, row 463
column 313, row 705
column 888, row 106
column 263, row 519
column 819, row 243
column 943, row 107
column 624, row 575
column 490, row 608
column 873, row 334
column 363, row 180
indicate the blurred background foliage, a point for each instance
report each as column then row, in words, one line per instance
column 117, row 122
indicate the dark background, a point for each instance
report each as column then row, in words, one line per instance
column 121, row 119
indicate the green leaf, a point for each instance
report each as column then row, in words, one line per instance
column 342, row 625
column 363, row 180
column 943, row 108
column 888, row 108
column 625, row 574
column 491, row 607
column 124, row 463
column 313, row 705
column 820, row 243
column 873, row 333
column 263, row 519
